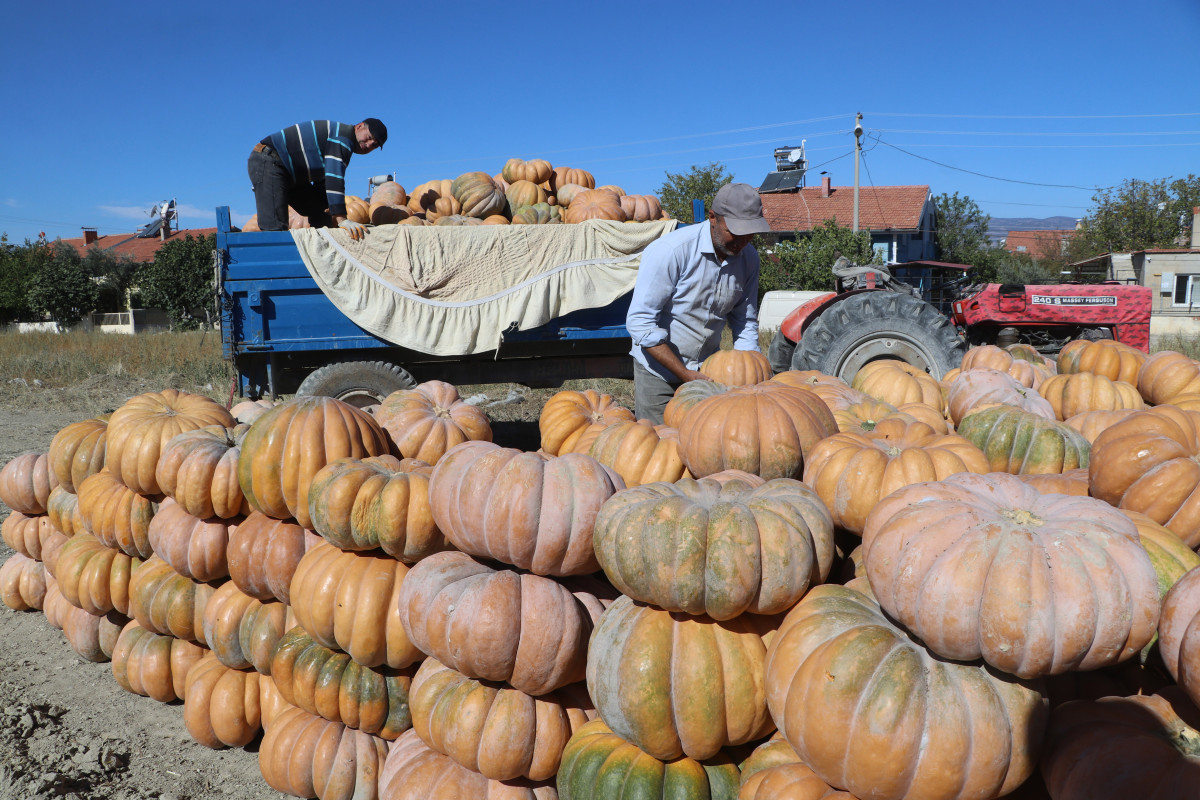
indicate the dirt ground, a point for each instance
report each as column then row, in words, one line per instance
column 67, row 730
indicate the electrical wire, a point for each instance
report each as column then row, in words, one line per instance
column 984, row 175
column 1038, row 133
column 1032, row 116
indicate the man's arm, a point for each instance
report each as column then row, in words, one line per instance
column 658, row 275
column 336, row 154
column 743, row 319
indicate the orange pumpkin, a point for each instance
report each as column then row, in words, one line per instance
column 115, row 514
column 478, row 194
column 26, row 534
column 221, row 705
column 1179, row 633
column 568, row 414
column 22, row 583
column 1167, row 374
column 1112, row 359
column 78, row 451
column 536, row 170
column 153, row 665
column 426, row 421
column 92, row 637
column 566, row 193
column 977, row 389
column 737, row 367
column 686, row 396
column 243, row 631
column 26, row 482
column 62, row 509
column 522, row 193
column 306, row 756
column 641, row 207
column 193, row 547
column 357, row 209
column 263, row 554
column 1076, row 393
column 640, row 452
column 1072, row 482
column 94, row 577
column 1092, row 423
column 595, row 204
column 414, row 771
column 561, row 176
column 199, row 470
column 898, row 382
column 163, row 601
column 435, row 199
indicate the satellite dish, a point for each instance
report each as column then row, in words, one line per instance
column 796, row 156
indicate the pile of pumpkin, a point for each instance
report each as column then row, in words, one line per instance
column 794, row 588
column 522, row 193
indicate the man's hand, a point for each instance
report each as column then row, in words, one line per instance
column 694, row 375
column 356, row 230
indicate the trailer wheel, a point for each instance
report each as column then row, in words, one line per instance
column 779, row 353
column 879, row 325
column 359, row 383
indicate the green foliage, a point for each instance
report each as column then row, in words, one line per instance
column 806, row 263
column 679, row 189
column 59, row 286
column 14, row 283
column 181, row 281
column 1023, row 268
column 1138, row 215
column 114, row 276
column 962, row 232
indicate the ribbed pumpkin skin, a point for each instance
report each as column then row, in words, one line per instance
column 1072, row 482
column 703, row 548
column 77, row 451
column 243, row 631
column 540, row 213
column 435, row 198
column 1167, row 374
column 1147, row 462
column 766, row 430
column 984, row 566
column 1021, row 443
column 478, row 194
column 1083, row 391
column 199, row 470
column 521, row 193
column 529, row 631
column 686, row 397
column 1092, row 423
column 1123, row 747
column 263, row 554
column 991, row 357
column 1107, row 357
column 116, row 515
column 536, row 170
column 599, row 765
column 595, row 204
column 62, row 508
column 642, row 208
column 414, row 771
column 348, row 601
column 94, row 577
column 789, row 782
column 851, row 472
column 865, row 416
column 869, row 709
column 678, row 685
column 26, row 482
column 163, row 601
column 307, row 756
column 376, row 502
column 737, row 367
column 25, row 534
column 153, row 665
column 977, row 389
column 428, row 420
column 494, row 730
column 289, row 444
column 563, row 176
column 139, row 429
column 22, row 583
column 221, row 705
column 193, row 547
column 332, row 685
column 1179, row 633
column 91, row 636
column 566, row 193
column 525, row 509
column 897, row 383
column 568, row 414
column 1172, row 559
column 640, row 452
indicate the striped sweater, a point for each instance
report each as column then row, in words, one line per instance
column 317, row 150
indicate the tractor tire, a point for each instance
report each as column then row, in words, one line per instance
column 879, row 325
column 780, row 351
column 359, row 383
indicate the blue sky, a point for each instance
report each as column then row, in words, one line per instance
column 112, row 108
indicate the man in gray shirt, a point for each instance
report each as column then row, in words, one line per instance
column 690, row 283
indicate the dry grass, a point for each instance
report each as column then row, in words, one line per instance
column 1188, row 345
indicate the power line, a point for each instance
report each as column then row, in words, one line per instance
column 1034, row 116
column 1056, row 146
column 984, row 175
column 1038, row 133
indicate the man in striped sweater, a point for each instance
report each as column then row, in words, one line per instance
column 304, row 166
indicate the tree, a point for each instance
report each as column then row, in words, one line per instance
column 1137, row 215
column 113, row 274
column 59, row 286
column 181, row 281
column 700, row 183
column 962, row 231
column 806, row 263
column 14, row 283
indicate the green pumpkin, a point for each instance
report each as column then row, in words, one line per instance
column 597, row 764
column 537, row 214
column 479, row 195
column 1021, row 443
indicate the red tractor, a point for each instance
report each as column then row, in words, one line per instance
column 913, row 313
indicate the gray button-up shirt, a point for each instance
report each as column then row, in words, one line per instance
column 685, row 293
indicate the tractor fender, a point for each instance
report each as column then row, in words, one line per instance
column 794, row 323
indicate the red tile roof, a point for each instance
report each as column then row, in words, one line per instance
column 1043, row 244
column 127, row 244
column 879, row 207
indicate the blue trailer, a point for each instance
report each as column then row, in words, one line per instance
column 283, row 335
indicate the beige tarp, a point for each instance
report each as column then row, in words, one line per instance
column 454, row 290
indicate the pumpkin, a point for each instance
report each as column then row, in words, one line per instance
column 500, row 625
column 567, row 192
column 25, row 483
column 767, row 429
column 389, row 192
column 524, row 193
column 1179, row 633
column 1092, row 423
column 597, row 764
column 568, row 414
column 378, row 502
column 611, row 187
column 536, row 170
column 426, row 421
column 977, row 389
column 247, row 411
column 357, row 209
column 686, row 396
column 304, row 755
column 263, row 554
column 494, row 730
column 737, row 367
column 348, row 601
column 242, row 630
column 1112, row 359
column 115, row 514
column 701, row 547
column 1072, row 481
column 594, row 204
column 562, row 176
column 62, row 509
column 92, row 637
column 676, row 685
column 22, row 583
column 532, row 511
column 641, row 207
column 198, row 469
column 496, row 219
column 153, row 665
column 52, row 545
column 1147, row 462
column 139, row 429
column 897, row 382
column 193, row 547
column 1020, row 442
column 478, row 194
column 332, row 685
column 639, row 452
column 537, row 214
column 457, row 219
column 94, row 577
column 78, row 451
column 870, row 710
column 435, row 198
column 851, row 472
column 984, row 566
column 221, row 705
column 289, row 444
column 1084, row 391
column 25, row 534
column 865, row 417
column 163, row 601
column 388, row 214
column 1167, row 374
column 414, row 771
column 793, row 781
column 1172, row 559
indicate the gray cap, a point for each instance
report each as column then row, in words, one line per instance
column 741, row 207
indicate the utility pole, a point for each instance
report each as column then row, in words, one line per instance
column 858, row 131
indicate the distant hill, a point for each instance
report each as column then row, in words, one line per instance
column 998, row 227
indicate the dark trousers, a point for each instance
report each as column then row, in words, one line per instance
column 650, row 394
column 274, row 191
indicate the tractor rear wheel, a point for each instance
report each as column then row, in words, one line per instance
column 879, row 325
column 359, row 383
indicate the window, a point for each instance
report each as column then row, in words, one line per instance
column 881, row 252
column 1021, row 248
column 1183, row 294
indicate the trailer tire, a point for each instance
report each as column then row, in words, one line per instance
column 780, row 351
column 359, row 383
column 879, row 325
